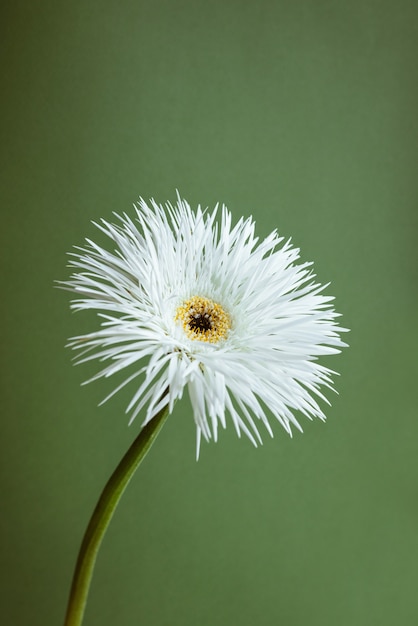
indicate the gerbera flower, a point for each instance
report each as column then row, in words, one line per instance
column 194, row 301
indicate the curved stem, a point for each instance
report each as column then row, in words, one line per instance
column 103, row 514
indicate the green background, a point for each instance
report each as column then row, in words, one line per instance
column 303, row 114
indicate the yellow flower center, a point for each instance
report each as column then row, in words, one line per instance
column 203, row 320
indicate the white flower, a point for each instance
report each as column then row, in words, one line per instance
column 192, row 301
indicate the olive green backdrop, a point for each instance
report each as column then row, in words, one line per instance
column 303, row 114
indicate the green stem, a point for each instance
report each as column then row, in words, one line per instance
column 103, row 514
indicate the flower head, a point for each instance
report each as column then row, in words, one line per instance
column 196, row 302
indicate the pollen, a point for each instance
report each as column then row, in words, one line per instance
column 203, row 320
